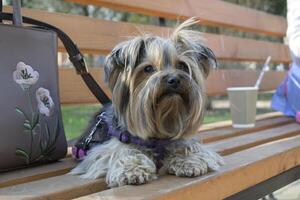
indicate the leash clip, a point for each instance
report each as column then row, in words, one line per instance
column 93, row 131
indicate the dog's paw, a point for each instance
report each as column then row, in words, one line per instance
column 185, row 168
column 194, row 162
column 133, row 168
column 136, row 176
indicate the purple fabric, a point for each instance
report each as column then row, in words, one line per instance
column 78, row 153
column 298, row 116
column 125, row 137
column 156, row 144
column 287, row 96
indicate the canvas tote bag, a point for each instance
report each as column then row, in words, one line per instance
column 31, row 128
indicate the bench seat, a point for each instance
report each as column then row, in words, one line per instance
column 251, row 155
column 255, row 157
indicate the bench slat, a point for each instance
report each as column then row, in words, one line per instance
column 219, row 80
column 210, row 12
column 59, row 187
column 66, row 186
column 228, row 132
column 242, row 170
column 95, row 38
column 73, row 89
column 228, row 123
column 235, row 144
column 36, row 173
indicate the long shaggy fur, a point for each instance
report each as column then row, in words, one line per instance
column 138, row 72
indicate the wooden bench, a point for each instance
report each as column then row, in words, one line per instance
column 258, row 160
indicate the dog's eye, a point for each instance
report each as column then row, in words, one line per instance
column 149, row 69
column 183, row 66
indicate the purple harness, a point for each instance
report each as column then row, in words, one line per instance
column 123, row 136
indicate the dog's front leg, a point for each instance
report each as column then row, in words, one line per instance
column 130, row 167
column 189, row 158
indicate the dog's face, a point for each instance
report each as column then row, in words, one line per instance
column 158, row 83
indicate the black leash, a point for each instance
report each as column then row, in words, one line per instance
column 75, row 55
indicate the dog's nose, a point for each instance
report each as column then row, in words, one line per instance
column 173, row 82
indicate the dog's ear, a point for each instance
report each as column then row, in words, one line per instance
column 207, row 60
column 125, row 55
column 114, row 65
column 191, row 42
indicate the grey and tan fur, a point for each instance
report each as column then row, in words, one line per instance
column 158, row 91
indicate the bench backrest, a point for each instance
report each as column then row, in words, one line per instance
column 95, row 36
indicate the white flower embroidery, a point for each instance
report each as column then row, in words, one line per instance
column 45, row 102
column 25, row 75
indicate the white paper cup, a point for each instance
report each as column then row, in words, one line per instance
column 242, row 106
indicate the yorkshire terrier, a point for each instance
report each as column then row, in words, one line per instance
column 158, row 101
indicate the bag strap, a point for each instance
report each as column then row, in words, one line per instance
column 17, row 15
column 1, row 10
column 75, row 55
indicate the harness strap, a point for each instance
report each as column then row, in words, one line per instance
column 158, row 145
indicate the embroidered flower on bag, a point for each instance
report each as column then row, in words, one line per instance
column 36, row 118
column 25, row 75
column 45, row 102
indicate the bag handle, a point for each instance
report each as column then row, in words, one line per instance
column 1, row 9
column 75, row 55
column 17, row 16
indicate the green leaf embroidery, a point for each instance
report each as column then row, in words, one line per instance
column 22, row 153
column 27, row 126
column 35, row 120
column 21, row 112
column 43, row 145
column 49, row 151
column 48, row 134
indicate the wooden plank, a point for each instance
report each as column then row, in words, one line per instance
column 66, row 186
column 242, row 170
column 100, row 36
column 228, row 132
column 59, row 187
column 210, row 12
column 228, row 123
column 36, row 173
column 73, row 89
column 219, row 80
column 239, row 143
